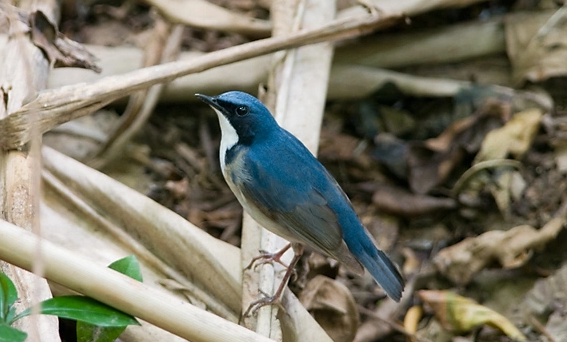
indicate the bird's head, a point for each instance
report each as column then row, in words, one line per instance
column 243, row 118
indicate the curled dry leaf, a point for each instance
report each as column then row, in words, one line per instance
column 333, row 306
column 514, row 138
column 511, row 248
column 61, row 51
column 460, row 314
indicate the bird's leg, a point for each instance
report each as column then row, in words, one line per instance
column 268, row 257
column 257, row 304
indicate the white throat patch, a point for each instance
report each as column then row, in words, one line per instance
column 229, row 138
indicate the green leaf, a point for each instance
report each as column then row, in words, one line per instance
column 91, row 333
column 8, row 296
column 128, row 266
column 9, row 334
column 84, row 309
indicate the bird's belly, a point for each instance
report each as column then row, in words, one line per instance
column 257, row 214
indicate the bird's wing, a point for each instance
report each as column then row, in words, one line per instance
column 303, row 212
column 295, row 200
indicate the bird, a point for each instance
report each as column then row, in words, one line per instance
column 284, row 188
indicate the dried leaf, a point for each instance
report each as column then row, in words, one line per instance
column 509, row 184
column 511, row 249
column 61, row 51
column 429, row 168
column 412, row 318
column 460, row 314
column 546, row 302
column 430, row 162
column 338, row 146
column 444, row 140
column 537, row 45
column 514, row 138
column 333, row 306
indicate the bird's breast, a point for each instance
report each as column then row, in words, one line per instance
column 237, row 177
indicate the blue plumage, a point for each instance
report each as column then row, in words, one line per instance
column 287, row 190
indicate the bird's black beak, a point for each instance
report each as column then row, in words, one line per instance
column 210, row 100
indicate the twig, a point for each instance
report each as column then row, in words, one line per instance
column 67, row 103
column 141, row 104
column 537, row 324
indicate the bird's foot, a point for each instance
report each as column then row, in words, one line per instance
column 260, row 303
column 266, row 257
column 270, row 300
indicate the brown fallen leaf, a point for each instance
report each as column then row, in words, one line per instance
column 398, row 201
column 460, row 314
column 430, row 162
column 511, row 248
column 333, row 306
column 61, row 51
column 338, row 146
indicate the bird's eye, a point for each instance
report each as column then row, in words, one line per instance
column 241, row 110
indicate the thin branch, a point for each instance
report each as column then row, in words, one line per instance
column 67, row 103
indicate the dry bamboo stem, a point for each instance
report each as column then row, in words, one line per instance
column 61, row 105
column 120, row 291
column 297, row 91
column 23, row 72
column 171, row 238
column 301, row 80
column 206, row 15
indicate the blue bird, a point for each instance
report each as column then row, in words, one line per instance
column 288, row 191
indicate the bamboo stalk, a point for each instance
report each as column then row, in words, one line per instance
column 23, row 72
column 118, row 290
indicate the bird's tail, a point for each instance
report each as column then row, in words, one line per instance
column 362, row 245
column 383, row 270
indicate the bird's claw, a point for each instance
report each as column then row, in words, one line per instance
column 258, row 304
column 266, row 257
